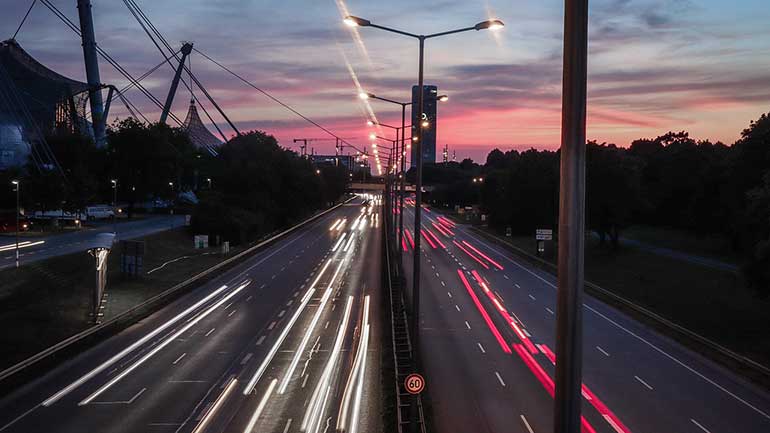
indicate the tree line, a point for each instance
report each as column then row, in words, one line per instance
column 671, row 181
column 252, row 187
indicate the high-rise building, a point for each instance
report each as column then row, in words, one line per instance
column 428, row 144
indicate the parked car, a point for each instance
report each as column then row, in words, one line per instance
column 8, row 222
column 97, row 212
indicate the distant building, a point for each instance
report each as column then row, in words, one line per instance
column 34, row 102
column 428, row 145
column 199, row 135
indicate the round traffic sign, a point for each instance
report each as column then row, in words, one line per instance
column 414, row 383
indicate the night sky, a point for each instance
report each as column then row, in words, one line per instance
column 655, row 65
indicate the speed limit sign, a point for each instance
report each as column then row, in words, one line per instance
column 414, row 383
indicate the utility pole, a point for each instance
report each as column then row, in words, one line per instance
column 302, row 147
column 569, row 324
column 186, row 50
column 92, row 71
column 17, row 184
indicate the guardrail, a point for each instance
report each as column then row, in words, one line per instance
column 402, row 347
column 58, row 347
column 743, row 362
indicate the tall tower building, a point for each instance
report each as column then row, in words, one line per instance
column 428, row 144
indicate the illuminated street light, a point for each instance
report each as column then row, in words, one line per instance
column 492, row 24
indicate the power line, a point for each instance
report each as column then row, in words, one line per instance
column 23, row 20
column 283, row 104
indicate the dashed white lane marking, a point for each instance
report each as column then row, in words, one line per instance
column 526, row 424
column 449, row 294
column 700, row 426
column 643, row 382
column 517, row 286
column 549, row 310
column 481, row 348
column 263, row 286
column 304, row 381
column 246, row 358
column 281, row 313
column 261, row 339
column 231, row 313
column 532, row 297
column 327, row 325
column 288, row 304
column 210, row 331
column 500, row 378
column 443, row 284
column 602, row 350
column 227, row 306
column 271, row 326
column 288, row 424
column 179, row 359
column 458, row 308
column 436, row 274
column 506, row 277
column 249, row 298
column 467, row 324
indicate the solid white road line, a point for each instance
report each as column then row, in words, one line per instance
column 179, row 359
column 260, row 407
column 602, row 350
column 700, row 426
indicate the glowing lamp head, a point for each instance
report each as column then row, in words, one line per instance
column 370, row 123
column 372, row 136
column 352, row 21
column 489, row 24
column 443, row 98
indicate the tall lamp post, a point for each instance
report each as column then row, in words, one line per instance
column 492, row 24
column 569, row 306
column 390, row 169
column 114, row 183
column 367, row 95
column 17, row 188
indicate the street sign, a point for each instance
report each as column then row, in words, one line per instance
column 544, row 234
column 414, row 383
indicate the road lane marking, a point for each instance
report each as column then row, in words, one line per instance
column 304, row 381
column 249, row 298
column 443, row 284
column 288, row 424
column 481, row 348
column 517, row 286
column 179, row 359
column 699, row 425
column 532, row 297
column 227, row 306
column 548, row 310
column 500, row 379
column 281, row 313
column 458, row 308
column 467, row 324
column 231, row 313
column 643, row 382
column 449, row 294
column 271, row 326
column 261, row 339
column 602, row 350
column 210, row 331
column 526, row 424
column 141, row 391
column 246, row 358
column 506, row 277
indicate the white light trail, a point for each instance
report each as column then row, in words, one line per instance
column 160, row 346
column 303, row 303
column 359, row 364
column 86, row 377
column 339, row 242
column 219, row 401
column 315, row 410
column 22, row 245
column 260, row 407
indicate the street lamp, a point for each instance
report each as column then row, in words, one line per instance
column 17, row 189
column 208, row 179
column 114, row 183
column 403, row 105
column 353, row 21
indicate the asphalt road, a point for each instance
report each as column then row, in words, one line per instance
column 286, row 339
column 487, row 353
column 35, row 248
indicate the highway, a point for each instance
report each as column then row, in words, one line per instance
column 286, row 341
column 487, row 340
column 35, row 248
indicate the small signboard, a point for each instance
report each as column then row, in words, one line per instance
column 201, row 241
column 414, row 383
column 544, row 234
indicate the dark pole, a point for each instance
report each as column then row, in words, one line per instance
column 186, row 50
column 417, row 214
column 571, row 220
column 403, row 183
column 18, row 187
column 92, row 70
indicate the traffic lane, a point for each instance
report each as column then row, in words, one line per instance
column 532, row 416
column 37, row 248
column 32, row 394
column 482, row 387
column 641, row 360
column 282, row 406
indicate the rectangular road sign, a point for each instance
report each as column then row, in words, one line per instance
column 544, row 234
